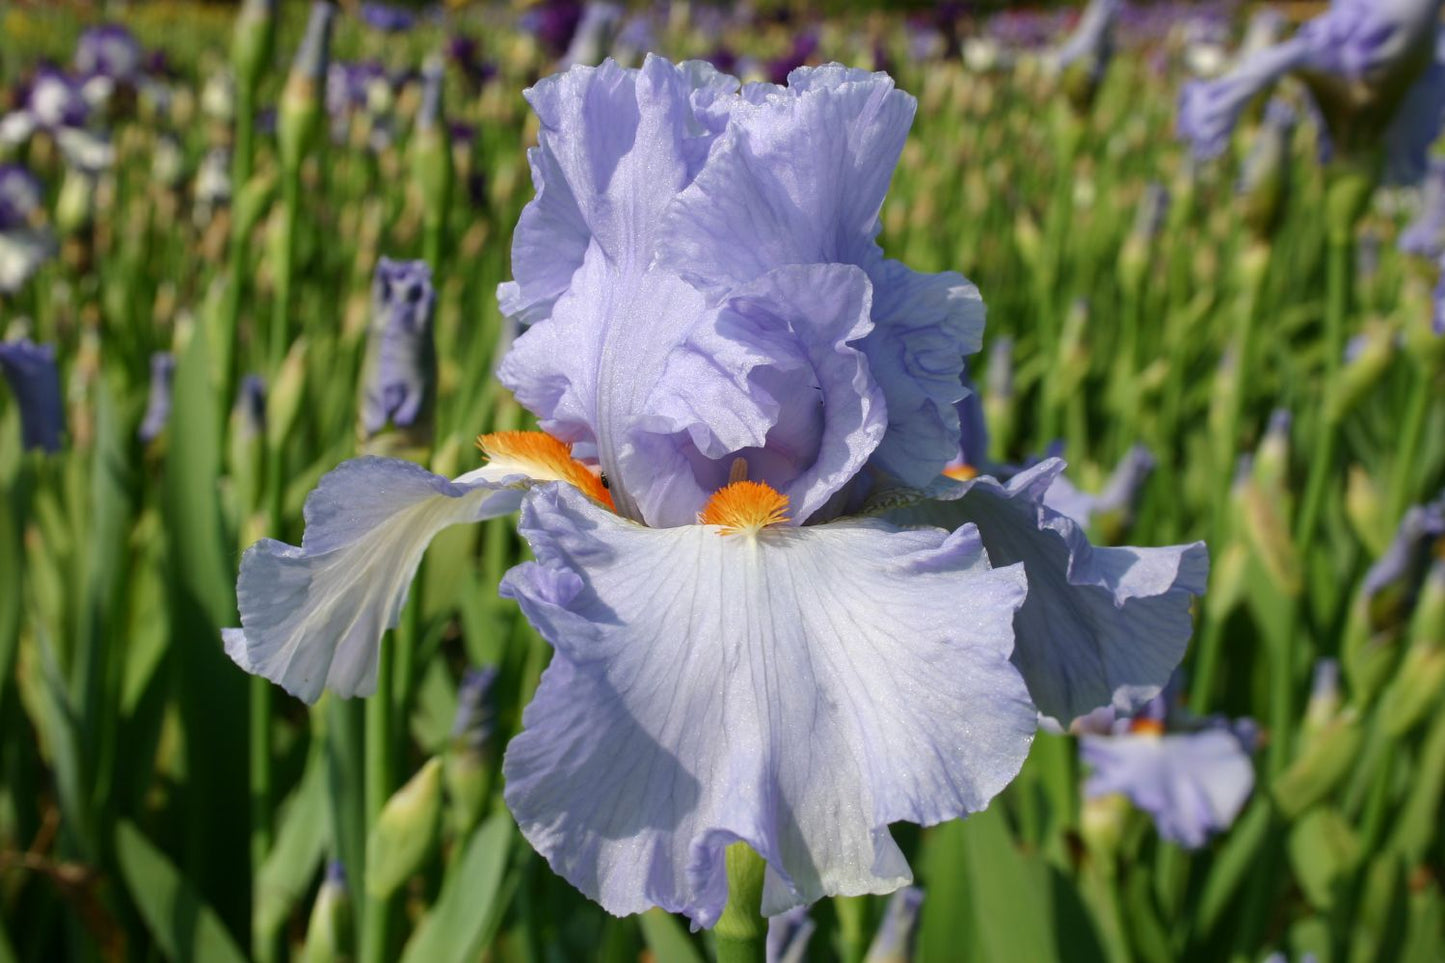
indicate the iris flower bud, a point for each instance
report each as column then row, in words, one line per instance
column 405, row 832
column 399, row 376
column 35, row 382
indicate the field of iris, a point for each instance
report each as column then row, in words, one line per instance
column 210, row 297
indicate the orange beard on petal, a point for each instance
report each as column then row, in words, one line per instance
column 744, row 507
column 540, row 456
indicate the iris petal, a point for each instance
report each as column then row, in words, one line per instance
column 798, row 690
column 1100, row 626
column 312, row 616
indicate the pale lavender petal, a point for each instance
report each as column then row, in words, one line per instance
column 797, row 178
column 615, row 147
column 797, row 690
column 771, row 379
column 1101, row 626
column 788, row 936
column 1192, row 784
column 893, row 943
column 312, row 616
column 588, row 370
column 924, row 325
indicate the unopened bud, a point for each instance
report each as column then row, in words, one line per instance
column 286, row 395
column 253, row 42
column 328, row 934
column 431, row 153
column 894, row 940
column 406, row 831
column 1367, row 357
column 1325, row 761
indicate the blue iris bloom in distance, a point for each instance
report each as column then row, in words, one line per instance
column 734, row 384
column 1375, row 67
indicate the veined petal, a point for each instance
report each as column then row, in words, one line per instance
column 587, row 371
column 615, row 147
column 1101, row 625
column 798, row 177
column 797, row 689
column 770, row 378
column 312, row 616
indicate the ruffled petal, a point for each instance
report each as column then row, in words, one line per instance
column 312, row 616
column 769, row 378
column 798, row 177
column 1100, row 626
column 615, row 147
column 797, row 690
column 1192, row 784
column 924, row 325
column 588, row 370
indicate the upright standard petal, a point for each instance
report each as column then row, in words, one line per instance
column 799, row 177
column 312, row 616
column 1100, row 626
column 588, row 370
column 615, row 147
column 797, row 689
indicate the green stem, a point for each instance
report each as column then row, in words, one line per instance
column 285, row 267
column 1206, row 664
column 741, row 930
column 380, row 764
column 852, row 912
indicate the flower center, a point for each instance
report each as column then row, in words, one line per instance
column 1146, row 727
column 538, row 455
column 744, row 507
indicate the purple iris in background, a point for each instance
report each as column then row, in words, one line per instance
column 34, row 380
column 1191, row 776
column 595, row 32
column 553, row 22
column 1425, row 237
column 733, row 382
column 1372, row 67
column 399, row 379
column 23, row 247
column 51, row 102
column 387, row 18
column 109, row 51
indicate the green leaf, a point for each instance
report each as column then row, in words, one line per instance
column 300, row 842
column 467, row 911
column 667, row 938
column 1012, row 913
column 184, row 928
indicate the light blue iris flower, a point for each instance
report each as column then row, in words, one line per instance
column 1191, row 776
column 1375, row 67
column 744, row 650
